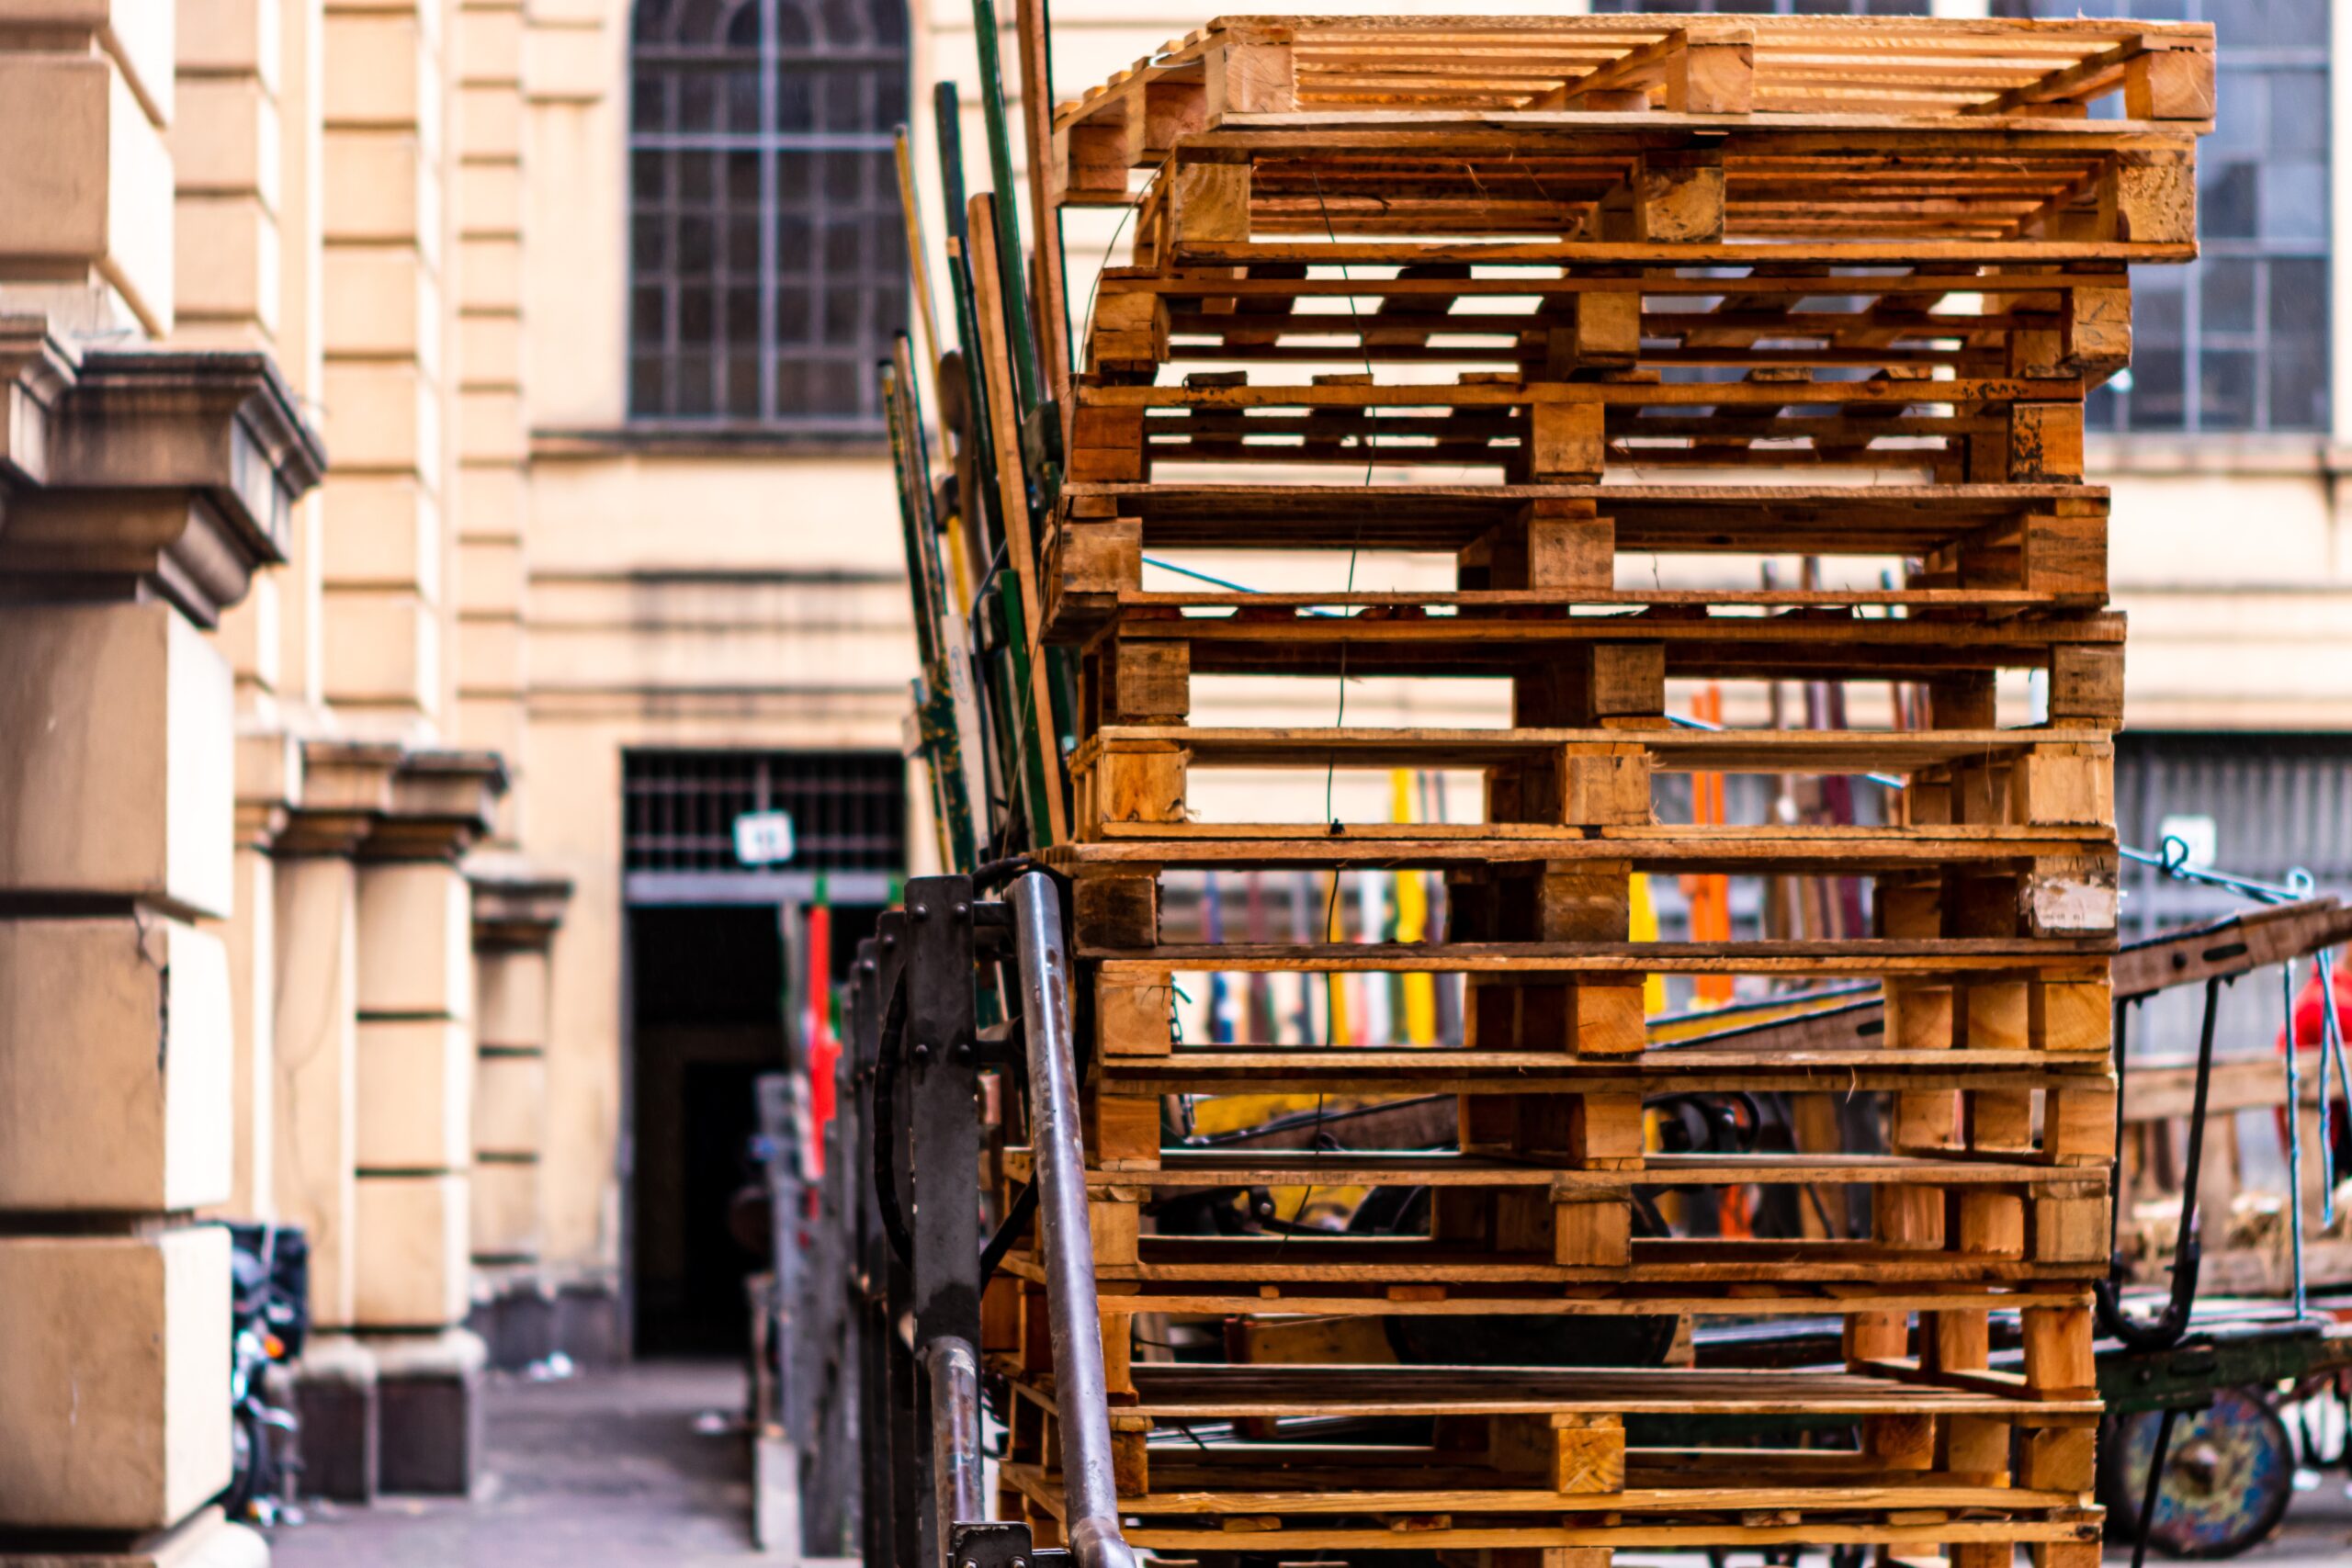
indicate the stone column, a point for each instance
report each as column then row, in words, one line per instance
column 516, row 915
column 226, row 166
column 268, row 777
column 493, row 436
column 342, row 788
column 85, row 177
column 384, row 220
column 415, row 1121
column 139, row 491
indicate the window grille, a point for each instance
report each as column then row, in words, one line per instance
column 767, row 261
column 2237, row 340
column 849, row 808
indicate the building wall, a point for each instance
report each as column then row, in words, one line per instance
column 680, row 600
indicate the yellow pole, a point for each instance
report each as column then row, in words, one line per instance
column 1412, row 922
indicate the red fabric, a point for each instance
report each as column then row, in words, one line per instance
column 823, row 1049
column 2308, row 1023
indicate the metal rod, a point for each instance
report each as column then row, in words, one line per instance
column 1081, row 1389
column 2331, row 1042
column 2156, row 1485
column 954, row 1372
column 2294, row 1136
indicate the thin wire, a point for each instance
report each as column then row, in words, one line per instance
column 1355, row 545
column 1111, row 244
column 1221, row 582
column 1340, row 718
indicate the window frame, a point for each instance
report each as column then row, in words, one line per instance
column 882, row 290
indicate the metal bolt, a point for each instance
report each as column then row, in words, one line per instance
column 919, row 911
column 963, row 912
column 960, row 1052
column 923, row 1053
column 890, row 940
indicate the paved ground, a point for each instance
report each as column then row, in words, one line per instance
column 613, row 1471
column 2317, row 1534
column 600, row 1471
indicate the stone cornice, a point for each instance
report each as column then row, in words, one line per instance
column 269, row 781
column 144, row 471
column 367, row 799
column 443, row 803
column 345, row 787
column 516, row 904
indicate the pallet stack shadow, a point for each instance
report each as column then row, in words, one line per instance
column 1619, row 284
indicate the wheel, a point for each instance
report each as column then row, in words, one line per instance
column 249, row 1462
column 2229, row 1476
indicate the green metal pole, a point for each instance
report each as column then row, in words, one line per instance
column 1027, row 389
column 1021, row 746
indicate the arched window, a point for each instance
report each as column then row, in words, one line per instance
column 767, row 263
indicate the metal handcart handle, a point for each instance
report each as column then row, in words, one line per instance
column 1065, row 1236
column 2169, row 1325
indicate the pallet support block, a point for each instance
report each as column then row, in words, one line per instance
column 1143, row 680
column 1131, row 1016
column 2086, row 685
column 2058, row 1363
column 1122, row 1131
column 2070, row 1015
column 1130, row 1456
column 1133, row 782
column 2149, row 198
column 1574, row 1454
column 1561, row 545
column 1566, row 442
column 1602, row 331
column 1592, row 1230
column 1252, row 78
column 1712, row 72
column 1667, row 198
column 1212, row 202
column 1117, row 911
column 1992, row 1223
column 2059, row 1459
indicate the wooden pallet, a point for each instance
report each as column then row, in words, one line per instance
column 1963, row 319
column 1474, row 288
column 1993, row 430
column 1992, row 72
column 1885, row 141
column 1540, row 551
column 1527, row 1457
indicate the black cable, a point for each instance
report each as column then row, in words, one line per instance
column 1314, row 1119
column 987, row 873
column 1024, row 1209
column 2155, row 1483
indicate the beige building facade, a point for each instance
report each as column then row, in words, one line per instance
column 442, row 486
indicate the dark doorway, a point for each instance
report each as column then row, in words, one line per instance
column 709, row 987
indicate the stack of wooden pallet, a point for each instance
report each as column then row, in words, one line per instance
column 1613, row 285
